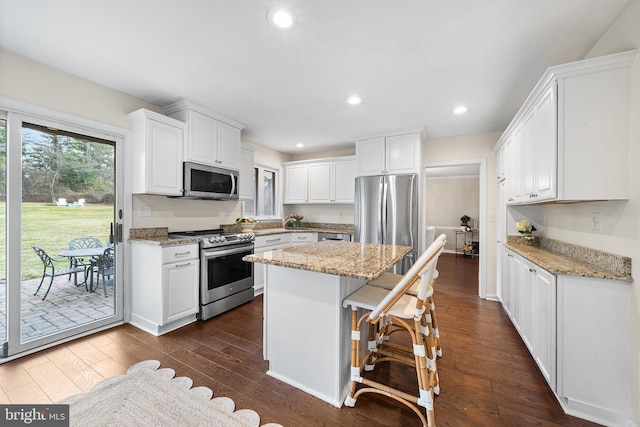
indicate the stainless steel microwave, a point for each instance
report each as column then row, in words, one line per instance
column 209, row 182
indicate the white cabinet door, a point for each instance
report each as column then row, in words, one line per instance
column 514, row 167
column 370, row 156
column 544, row 325
column 228, row 139
column 402, row 154
column 320, row 183
column 295, row 181
column 180, row 289
column 247, row 183
column 528, row 153
column 202, row 140
column 507, row 282
column 528, row 279
column 344, row 181
column 157, row 152
column 545, row 142
column 515, row 290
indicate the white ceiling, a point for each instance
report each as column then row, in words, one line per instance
column 411, row 61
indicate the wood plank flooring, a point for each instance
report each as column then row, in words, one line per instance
column 487, row 376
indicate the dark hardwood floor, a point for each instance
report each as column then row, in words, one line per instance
column 487, row 376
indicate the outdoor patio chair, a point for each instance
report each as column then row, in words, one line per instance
column 104, row 269
column 50, row 269
column 80, row 202
column 62, row 202
column 82, row 243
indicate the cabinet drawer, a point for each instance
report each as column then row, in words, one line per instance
column 273, row 239
column 304, row 238
column 178, row 253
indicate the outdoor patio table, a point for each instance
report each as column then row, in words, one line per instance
column 85, row 253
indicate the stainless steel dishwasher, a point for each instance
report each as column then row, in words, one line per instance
column 334, row 236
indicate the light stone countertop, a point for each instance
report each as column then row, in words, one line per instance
column 359, row 260
column 558, row 263
column 270, row 231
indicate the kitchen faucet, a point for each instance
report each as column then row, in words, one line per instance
column 286, row 220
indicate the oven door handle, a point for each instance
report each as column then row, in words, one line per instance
column 217, row 253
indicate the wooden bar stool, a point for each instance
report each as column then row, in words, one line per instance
column 405, row 312
column 390, row 280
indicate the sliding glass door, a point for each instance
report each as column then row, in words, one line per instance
column 62, row 207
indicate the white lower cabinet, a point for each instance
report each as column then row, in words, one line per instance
column 577, row 331
column 164, row 286
column 594, row 374
column 264, row 244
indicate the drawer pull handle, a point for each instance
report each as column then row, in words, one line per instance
column 183, row 265
column 182, row 253
column 273, row 240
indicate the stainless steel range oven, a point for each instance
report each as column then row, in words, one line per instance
column 225, row 280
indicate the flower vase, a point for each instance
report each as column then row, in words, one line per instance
column 530, row 240
column 295, row 224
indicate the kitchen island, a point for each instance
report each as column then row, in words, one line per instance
column 307, row 332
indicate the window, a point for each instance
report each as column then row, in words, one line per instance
column 265, row 196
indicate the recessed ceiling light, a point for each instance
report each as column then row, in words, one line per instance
column 282, row 18
column 299, row 145
column 460, row 109
column 354, row 100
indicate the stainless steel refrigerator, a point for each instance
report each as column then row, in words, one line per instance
column 386, row 212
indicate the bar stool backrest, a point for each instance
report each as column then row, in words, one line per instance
column 423, row 269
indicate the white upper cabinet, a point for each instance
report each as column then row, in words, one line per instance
column 320, row 181
column 211, row 139
column 156, row 151
column 295, row 181
column 570, row 139
column 344, row 180
column 393, row 154
column 247, row 184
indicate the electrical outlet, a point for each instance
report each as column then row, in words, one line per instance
column 227, row 211
column 145, row 210
column 596, row 221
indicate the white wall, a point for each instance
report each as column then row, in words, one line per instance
column 620, row 220
column 473, row 147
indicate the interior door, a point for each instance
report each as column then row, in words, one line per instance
column 62, row 187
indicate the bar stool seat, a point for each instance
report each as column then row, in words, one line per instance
column 390, row 280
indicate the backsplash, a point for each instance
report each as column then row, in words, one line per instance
column 613, row 262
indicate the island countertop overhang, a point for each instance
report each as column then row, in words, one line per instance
column 350, row 259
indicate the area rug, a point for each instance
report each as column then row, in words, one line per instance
column 148, row 396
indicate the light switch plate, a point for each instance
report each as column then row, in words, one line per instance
column 145, row 210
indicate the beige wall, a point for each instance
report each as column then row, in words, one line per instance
column 620, row 220
column 446, row 200
column 28, row 81
column 473, row 147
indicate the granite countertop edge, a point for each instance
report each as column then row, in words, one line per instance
column 364, row 273
column 557, row 263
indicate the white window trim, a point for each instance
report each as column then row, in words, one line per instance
column 279, row 189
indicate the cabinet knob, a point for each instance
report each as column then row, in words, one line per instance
column 533, row 270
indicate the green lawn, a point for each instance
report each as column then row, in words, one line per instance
column 51, row 227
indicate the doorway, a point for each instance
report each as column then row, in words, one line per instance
column 453, row 190
column 59, row 257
